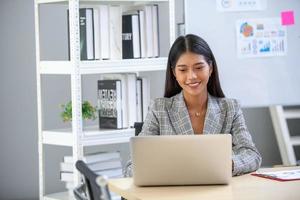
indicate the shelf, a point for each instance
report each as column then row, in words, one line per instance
column 92, row 136
column 126, row 65
column 105, row 66
column 57, row 196
column 50, row 1
column 100, row 1
column 295, row 140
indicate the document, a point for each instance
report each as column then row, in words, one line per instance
column 286, row 175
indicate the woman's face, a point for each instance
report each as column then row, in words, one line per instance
column 192, row 73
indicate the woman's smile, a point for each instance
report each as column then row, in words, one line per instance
column 193, row 84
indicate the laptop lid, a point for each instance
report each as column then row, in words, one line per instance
column 181, row 159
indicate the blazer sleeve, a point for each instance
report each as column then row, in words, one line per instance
column 151, row 123
column 150, row 127
column 246, row 157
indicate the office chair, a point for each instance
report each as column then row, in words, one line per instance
column 138, row 127
column 94, row 187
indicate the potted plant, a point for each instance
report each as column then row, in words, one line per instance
column 88, row 111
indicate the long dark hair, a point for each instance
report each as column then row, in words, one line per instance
column 195, row 44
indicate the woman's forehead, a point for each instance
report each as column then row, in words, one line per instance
column 190, row 59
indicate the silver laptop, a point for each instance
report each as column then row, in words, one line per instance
column 181, row 159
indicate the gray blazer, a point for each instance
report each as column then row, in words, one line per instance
column 169, row 116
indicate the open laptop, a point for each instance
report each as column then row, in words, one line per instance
column 181, row 159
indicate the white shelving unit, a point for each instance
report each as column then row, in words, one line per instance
column 92, row 137
column 286, row 142
column 104, row 66
column 78, row 136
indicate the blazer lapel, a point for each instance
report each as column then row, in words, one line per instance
column 214, row 117
column 179, row 116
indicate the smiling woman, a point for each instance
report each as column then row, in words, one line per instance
column 194, row 103
column 192, row 70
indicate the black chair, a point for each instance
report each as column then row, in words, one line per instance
column 94, row 187
column 138, row 127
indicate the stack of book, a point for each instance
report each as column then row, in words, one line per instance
column 123, row 99
column 104, row 163
column 116, row 32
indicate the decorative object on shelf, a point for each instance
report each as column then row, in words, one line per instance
column 88, row 111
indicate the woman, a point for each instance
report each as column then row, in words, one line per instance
column 194, row 103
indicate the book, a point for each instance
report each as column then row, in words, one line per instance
column 127, row 44
column 109, row 104
column 283, row 175
column 66, row 176
column 130, row 36
column 110, row 168
column 139, row 105
column 113, row 173
column 122, row 78
column 136, row 36
column 155, row 30
column 96, row 33
column 68, row 167
column 142, row 33
column 149, row 30
column 104, row 31
column 86, row 33
column 145, row 96
column 131, row 98
column 95, row 157
column 115, row 25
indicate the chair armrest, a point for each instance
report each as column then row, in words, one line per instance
column 79, row 192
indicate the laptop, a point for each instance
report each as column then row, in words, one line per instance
column 181, row 159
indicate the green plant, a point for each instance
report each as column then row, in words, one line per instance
column 88, row 111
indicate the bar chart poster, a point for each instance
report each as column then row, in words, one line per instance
column 261, row 38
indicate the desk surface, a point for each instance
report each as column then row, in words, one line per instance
column 245, row 187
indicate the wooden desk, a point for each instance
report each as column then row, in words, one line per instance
column 245, row 187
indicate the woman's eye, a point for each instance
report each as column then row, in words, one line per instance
column 199, row 67
column 181, row 70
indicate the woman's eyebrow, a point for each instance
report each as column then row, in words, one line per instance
column 181, row 65
column 199, row 63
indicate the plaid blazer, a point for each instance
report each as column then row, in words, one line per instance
column 169, row 116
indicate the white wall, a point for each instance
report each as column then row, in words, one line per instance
column 18, row 149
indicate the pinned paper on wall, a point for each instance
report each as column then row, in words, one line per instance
column 261, row 38
column 287, row 18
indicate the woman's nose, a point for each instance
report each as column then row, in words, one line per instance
column 192, row 74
